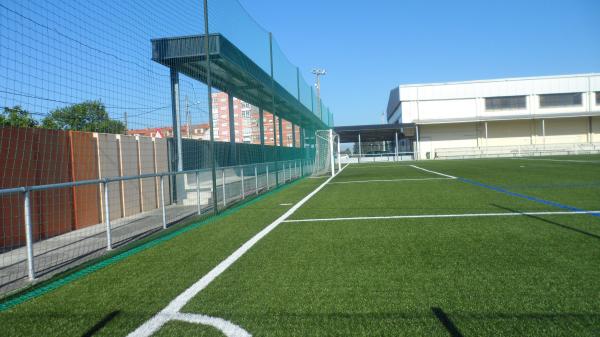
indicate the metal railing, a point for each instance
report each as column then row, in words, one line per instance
column 376, row 157
column 159, row 200
column 532, row 150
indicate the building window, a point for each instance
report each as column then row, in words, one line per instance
column 506, row 103
column 598, row 98
column 560, row 100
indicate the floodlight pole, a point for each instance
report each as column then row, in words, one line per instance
column 211, row 145
column 318, row 73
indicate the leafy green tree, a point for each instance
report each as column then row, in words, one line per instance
column 88, row 116
column 17, row 117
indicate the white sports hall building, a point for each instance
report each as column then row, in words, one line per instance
column 502, row 117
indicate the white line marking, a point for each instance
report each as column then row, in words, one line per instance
column 429, row 216
column 434, row 172
column 226, row 327
column 562, row 160
column 172, row 310
column 385, row 180
column 286, row 204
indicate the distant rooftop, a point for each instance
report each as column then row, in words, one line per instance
column 500, row 80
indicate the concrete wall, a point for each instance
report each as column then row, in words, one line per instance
column 130, row 166
column 567, row 130
column 162, row 165
column 109, row 166
column 504, row 133
column 595, row 129
column 84, row 166
column 465, row 101
column 446, row 135
column 146, row 163
column 513, row 133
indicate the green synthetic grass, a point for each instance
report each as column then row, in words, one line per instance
column 492, row 276
column 134, row 289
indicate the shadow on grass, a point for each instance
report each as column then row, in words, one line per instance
column 101, row 324
column 446, row 322
column 550, row 222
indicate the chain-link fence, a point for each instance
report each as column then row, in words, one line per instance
column 42, row 246
column 119, row 118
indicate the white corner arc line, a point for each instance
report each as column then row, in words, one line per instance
column 430, row 216
column 171, row 311
column 227, row 328
column 385, row 180
column 434, row 172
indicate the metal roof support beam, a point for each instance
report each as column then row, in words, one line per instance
column 175, row 109
column 231, row 128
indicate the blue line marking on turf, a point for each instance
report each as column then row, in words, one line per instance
column 519, row 195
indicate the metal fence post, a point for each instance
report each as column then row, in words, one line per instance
column 107, row 216
column 267, row 177
column 198, row 192
column 224, row 191
column 29, row 236
column 162, row 200
column 256, row 179
column 283, row 171
column 243, row 191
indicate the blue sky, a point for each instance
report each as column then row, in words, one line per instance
column 55, row 53
column 370, row 47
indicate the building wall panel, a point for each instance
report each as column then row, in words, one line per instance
column 162, row 165
column 109, row 167
column 130, row 167
column 566, row 130
column 446, row 136
column 86, row 199
column 506, row 133
column 146, row 162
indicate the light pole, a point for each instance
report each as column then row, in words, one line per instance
column 318, row 73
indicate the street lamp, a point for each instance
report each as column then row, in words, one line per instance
column 318, row 73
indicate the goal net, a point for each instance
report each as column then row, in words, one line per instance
column 326, row 153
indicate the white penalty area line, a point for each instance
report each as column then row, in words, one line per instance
column 433, row 172
column 432, row 216
column 172, row 310
column 371, row 165
column 385, row 180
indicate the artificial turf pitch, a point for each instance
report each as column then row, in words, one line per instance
column 525, row 275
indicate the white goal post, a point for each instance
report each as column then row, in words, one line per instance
column 327, row 153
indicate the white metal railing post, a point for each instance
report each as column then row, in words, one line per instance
column 107, row 216
column 198, row 192
column 162, row 200
column 29, row 236
column 256, row 179
column 243, row 190
column 296, row 168
column 224, row 190
column 267, row 176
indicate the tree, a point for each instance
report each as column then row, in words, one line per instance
column 17, row 117
column 88, row 116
